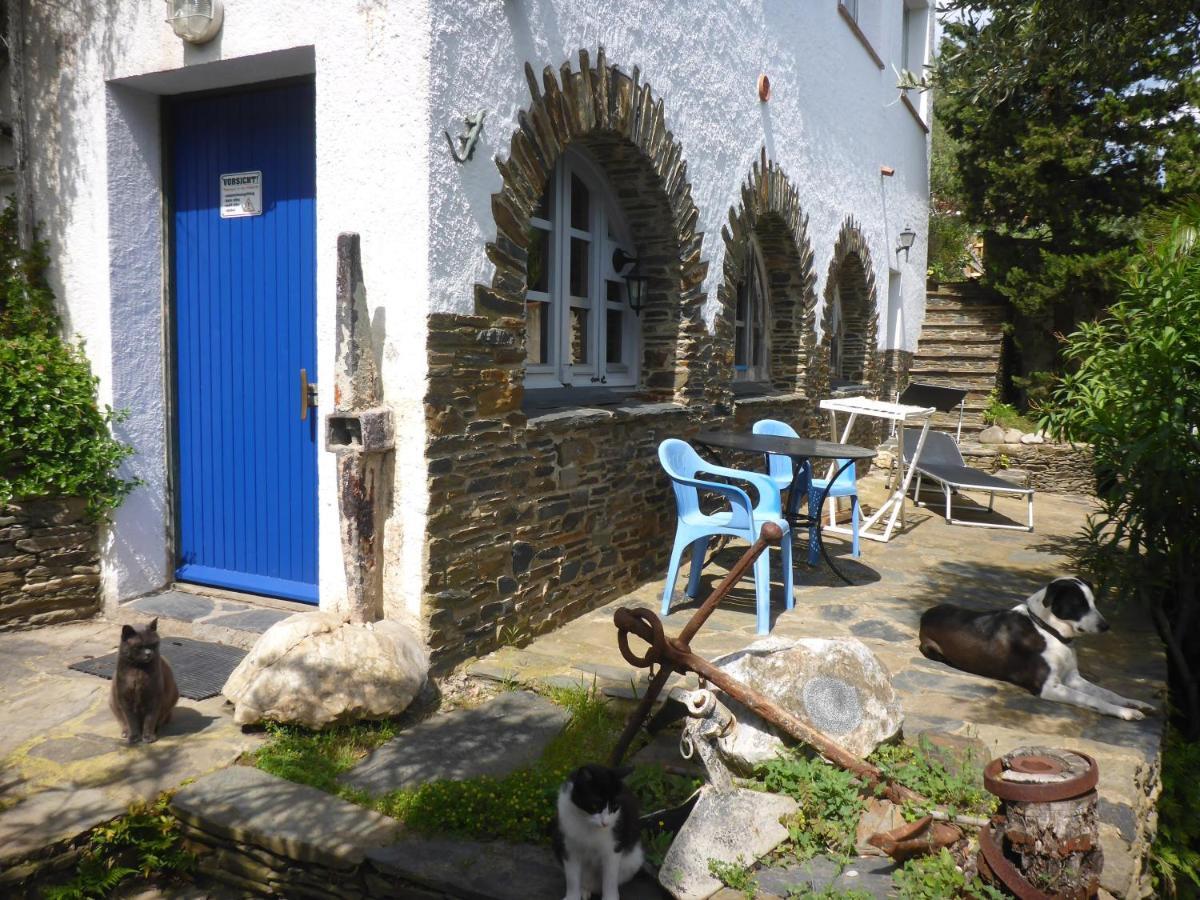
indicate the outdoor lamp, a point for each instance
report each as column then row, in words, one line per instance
column 907, row 236
column 634, row 280
column 196, row 21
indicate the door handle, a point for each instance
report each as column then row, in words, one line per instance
column 308, row 394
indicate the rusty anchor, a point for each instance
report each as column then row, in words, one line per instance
column 674, row 655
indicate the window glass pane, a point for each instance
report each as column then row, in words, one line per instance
column 739, row 309
column 537, row 333
column 739, row 346
column 579, row 350
column 756, row 344
column 580, row 204
column 613, row 292
column 543, row 210
column 579, row 266
column 613, row 337
column 537, row 276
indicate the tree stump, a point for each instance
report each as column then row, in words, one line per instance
column 1048, row 821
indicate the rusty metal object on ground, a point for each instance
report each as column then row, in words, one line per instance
column 1047, row 832
column 674, row 655
column 925, row 835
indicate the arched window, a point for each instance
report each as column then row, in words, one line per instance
column 750, row 319
column 580, row 329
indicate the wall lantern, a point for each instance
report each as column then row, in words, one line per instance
column 196, row 21
column 907, row 236
column 634, row 280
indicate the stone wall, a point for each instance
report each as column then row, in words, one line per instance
column 49, row 564
column 1054, row 468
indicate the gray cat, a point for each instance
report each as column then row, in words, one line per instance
column 143, row 688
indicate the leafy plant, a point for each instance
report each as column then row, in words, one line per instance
column 997, row 412
column 144, row 842
column 655, row 847
column 1175, row 856
column 939, row 878
column 829, row 799
column 735, row 875
column 54, row 438
column 947, row 778
column 1134, row 395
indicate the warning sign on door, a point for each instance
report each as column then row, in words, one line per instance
column 241, row 195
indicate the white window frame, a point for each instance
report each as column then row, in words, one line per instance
column 758, row 307
column 606, row 233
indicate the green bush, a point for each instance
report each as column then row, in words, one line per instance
column 829, row 798
column 1175, row 856
column 1134, row 395
column 54, row 439
column 939, row 878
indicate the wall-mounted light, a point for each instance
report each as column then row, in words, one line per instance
column 634, row 279
column 907, row 236
column 196, row 21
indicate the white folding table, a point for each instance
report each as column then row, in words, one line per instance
column 899, row 413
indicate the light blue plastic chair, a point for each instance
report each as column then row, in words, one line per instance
column 780, row 468
column 742, row 519
column 845, row 485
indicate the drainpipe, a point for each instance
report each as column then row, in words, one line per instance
column 360, row 433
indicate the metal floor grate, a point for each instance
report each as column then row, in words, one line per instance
column 200, row 668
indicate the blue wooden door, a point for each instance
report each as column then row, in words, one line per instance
column 243, row 273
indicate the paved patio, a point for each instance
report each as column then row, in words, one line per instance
column 930, row 563
column 63, row 768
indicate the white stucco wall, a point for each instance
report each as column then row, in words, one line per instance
column 94, row 87
column 833, row 120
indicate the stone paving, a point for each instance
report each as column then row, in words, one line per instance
column 929, row 563
column 63, row 765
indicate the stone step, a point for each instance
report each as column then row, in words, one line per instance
column 951, row 302
column 944, row 316
column 237, row 623
column 967, row 328
column 964, row 349
column 953, row 368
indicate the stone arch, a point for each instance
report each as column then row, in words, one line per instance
column 852, row 275
column 618, row 120
column 770, row 210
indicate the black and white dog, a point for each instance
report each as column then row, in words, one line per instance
column 1028, row 645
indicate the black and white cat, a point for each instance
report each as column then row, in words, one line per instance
column 596, row 833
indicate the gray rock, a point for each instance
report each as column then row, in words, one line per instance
column 483, row 871
column 837, row 687
column 313, row 669
column 725, row 826
column 1012, row 435
column 508, row 732
column 993, row 434
column 293, row 820
column 1036, row 438
column 873, row 876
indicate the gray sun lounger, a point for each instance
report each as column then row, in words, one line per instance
column 940, row 461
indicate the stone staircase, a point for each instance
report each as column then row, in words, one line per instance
column 961, row 345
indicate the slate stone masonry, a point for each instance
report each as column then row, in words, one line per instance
column 49, row 563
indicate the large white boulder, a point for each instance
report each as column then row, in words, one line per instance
column 314, row 669
column 837, row 687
